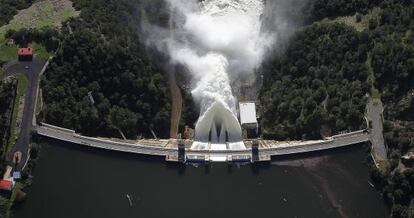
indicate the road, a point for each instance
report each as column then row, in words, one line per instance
column 374, row 114
column 32, row 71
column 158, row 148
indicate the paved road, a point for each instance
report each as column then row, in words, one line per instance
column 374, row 114
column 142, row 148
column 32, row 73
column 70, row 136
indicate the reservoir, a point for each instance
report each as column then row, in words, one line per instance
column 74, row 181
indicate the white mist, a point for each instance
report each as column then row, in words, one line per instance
column 218, row 40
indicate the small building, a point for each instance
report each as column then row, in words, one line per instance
column 17, row 175
column 6, row 184
column 25, row 54
column 10, row 42
column 6, row 187
column 248, row 119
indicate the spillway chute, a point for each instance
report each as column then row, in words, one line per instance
column 218, row 126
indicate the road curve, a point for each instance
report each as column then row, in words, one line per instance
column 32, row 70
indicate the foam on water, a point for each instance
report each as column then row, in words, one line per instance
column 220, row 37
column 218, row 120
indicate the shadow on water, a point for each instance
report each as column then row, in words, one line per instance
column 256, row 167
column 88, row 182
column 318, row 154
column 101, row 152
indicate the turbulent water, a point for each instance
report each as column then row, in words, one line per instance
column 219, row 40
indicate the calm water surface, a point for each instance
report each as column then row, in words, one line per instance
column 72, row 181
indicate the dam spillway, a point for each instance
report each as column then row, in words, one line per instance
column 220, row 40
column 216, row 128
column 168, row 148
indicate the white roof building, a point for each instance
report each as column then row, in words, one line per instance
column 247, row 113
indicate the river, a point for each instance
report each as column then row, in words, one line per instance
column 74, row 181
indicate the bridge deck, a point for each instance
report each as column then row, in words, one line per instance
column 169, row 147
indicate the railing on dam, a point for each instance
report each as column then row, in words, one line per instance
column 70, row 136
column 155, row 147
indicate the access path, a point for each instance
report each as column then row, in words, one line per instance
column 32, row 71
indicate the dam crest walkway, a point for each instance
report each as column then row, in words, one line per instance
column 169, row 147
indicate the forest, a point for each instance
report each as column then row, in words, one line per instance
column 334, row 8
column 9, row 8
column 47, row 36
column 7, row 93
column 103, row 78
column 393, row 59
column 392, row 44
column 318, row 86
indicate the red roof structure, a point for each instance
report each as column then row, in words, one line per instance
column 6, row 185
column 25, row 51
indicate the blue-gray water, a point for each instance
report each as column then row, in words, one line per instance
column 72, row 181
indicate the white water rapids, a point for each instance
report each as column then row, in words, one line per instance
column 219, row 40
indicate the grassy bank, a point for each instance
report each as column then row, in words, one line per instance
column 39, row 102
column 41, row 14
column 6, row 204
column 18, row 193
column 40, row 51
column 22, row 86
column 374, row 91
column 8, row 91
column 7, row 53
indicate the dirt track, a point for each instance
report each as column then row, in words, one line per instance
column 176, row 105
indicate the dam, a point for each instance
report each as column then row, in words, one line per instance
column 223, row 39
column 220, row 41
column 217, row 127
column 170, row 148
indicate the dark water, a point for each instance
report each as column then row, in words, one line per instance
column 75, row 182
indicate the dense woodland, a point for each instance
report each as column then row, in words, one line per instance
column 100, row 55
column 317, row 85
column 393, row 59
column 334, row 8
column 321, row 58
column 9, row 8
column 47, row 36
column 7, row 93
column 392, row 40
column 103, row 79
